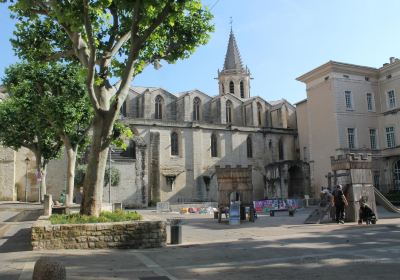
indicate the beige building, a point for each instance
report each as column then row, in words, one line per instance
column 351, row 108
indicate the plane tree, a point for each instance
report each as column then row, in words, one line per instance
column 47, row 108
column 113, row 40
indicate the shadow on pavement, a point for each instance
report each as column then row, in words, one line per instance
column 20, row 241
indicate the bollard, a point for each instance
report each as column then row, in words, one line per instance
column 49, row 269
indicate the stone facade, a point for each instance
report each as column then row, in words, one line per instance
column 351, row 109
column 180, row 138
column 136, row 235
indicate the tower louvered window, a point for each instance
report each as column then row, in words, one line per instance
column 241, row 89
column 231, row 87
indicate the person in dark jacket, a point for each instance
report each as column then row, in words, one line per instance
column 340, row 202
column 366, row 214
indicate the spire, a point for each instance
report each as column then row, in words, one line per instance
column 232, row 58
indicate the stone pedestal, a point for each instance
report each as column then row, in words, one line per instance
column 353, row 172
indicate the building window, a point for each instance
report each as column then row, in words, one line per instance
column 241, row 89
column 174, row 144
column 391, row 99
column 249, row 143
column 396, row 175
column 214, row 145
column 372, row 138
column 376, row 179
column 228, row 111
column 279, row 116
column 231, row 87
column 370, row 106
column 390, row 140
column 280, row 149
column 196, row 109
column 158, row 107
column 351, row 137
column 259, row 113
column 349, row 104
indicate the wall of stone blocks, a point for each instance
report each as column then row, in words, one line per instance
column 135, row 235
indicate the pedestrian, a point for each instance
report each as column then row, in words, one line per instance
column 366, row 214
column 340, row 202
column 79, row 196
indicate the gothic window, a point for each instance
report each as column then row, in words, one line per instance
column 259, row 112
column 249, row 143
column 241, row 89
column 228, row 111
column 174, row 144
column 214, row 145
column 196, row 109
column 158, row 107
column 223, row 89
column 231, row 87
column 280, row 147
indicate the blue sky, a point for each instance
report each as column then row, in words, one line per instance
column 278, row 41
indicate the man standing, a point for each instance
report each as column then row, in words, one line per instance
column 340, row 203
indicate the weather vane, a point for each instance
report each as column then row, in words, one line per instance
column 230, row 22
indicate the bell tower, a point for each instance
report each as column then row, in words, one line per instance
column 234, row 78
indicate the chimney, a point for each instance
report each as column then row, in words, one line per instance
column 392, row 59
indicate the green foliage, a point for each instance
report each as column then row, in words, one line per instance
column 40, row 32
column 51, row 99
column 80, row 172
column 120, row 134
column 115, row 176
column 104, row 217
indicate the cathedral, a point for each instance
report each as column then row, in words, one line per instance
column 181, row 138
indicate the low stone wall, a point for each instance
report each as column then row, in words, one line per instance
column 134, row 234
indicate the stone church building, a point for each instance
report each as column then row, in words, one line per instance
column 181, row 138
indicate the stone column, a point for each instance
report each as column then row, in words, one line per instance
column 48, row 203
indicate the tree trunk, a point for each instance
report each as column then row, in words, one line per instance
column 94, row 179
column 71, row 156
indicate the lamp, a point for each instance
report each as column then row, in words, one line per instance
column 27, row 160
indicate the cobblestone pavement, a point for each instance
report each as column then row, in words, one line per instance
column 279, row 247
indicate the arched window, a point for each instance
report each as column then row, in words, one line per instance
column 158, row 107
column 228, row 111
column 214, row 145
column 249, row 143
column 241, row 89
column 259, row 113
column 396, row 175
column 223, row 89
column 280, row 149
column 231, row 87
column 174, row 144
column 196, row 109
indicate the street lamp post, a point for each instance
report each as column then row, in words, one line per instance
column 109, row 175
column 27, row 160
